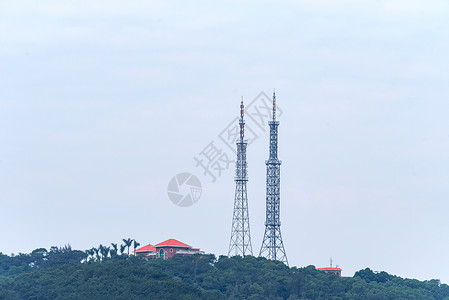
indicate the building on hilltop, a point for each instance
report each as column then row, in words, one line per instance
column 167, row 249
column 147, row 251
column 330, row 270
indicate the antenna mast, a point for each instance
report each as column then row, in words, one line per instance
column 240, row 243
column 272, row 245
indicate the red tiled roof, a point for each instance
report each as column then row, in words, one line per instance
column 330, row 269
column 146, row 248
column 172, row 243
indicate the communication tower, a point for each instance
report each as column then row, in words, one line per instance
column 272, row 244
column 240, row 243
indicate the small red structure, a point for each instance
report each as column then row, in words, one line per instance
column 147, row 251
column 330, row 270
column 167, row 249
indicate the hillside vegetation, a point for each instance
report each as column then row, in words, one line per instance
column 63, row 273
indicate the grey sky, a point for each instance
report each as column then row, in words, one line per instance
column 102, row 102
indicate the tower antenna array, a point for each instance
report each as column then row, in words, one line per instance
column 240, row 243
column 272, row 244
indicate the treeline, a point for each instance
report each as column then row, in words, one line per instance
column 57, row 256
column 63, row 273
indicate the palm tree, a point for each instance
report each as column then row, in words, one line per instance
column 114, row 249
column 104, row 252
column 97, row 256
column 135, row 244
column 128, row 242
column 90, row 254
column 87, row 254
column 122, row 248
column 101, row 250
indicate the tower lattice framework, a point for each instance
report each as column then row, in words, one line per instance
column 240, row 243
column 272, row 244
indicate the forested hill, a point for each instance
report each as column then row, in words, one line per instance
column 63, row 273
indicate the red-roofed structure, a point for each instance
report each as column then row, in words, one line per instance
column 329, row 270
column 148, row 247
column 167, row 249
column 172, row 243
column 147, row 251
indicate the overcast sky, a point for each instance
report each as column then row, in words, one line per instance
column 103, row 102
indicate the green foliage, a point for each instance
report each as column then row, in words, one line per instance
column 129, row 279
column 258, row 278
column 39, row 258
column 369, row 276
column 103, row 273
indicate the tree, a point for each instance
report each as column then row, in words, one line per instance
column 128, row 242
column 135, row 244
column 114, row 250
column 104, row 251
column 97, row 254
column 89, row 254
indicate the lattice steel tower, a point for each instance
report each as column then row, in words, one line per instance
column 240, row 243
column 272, row 245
